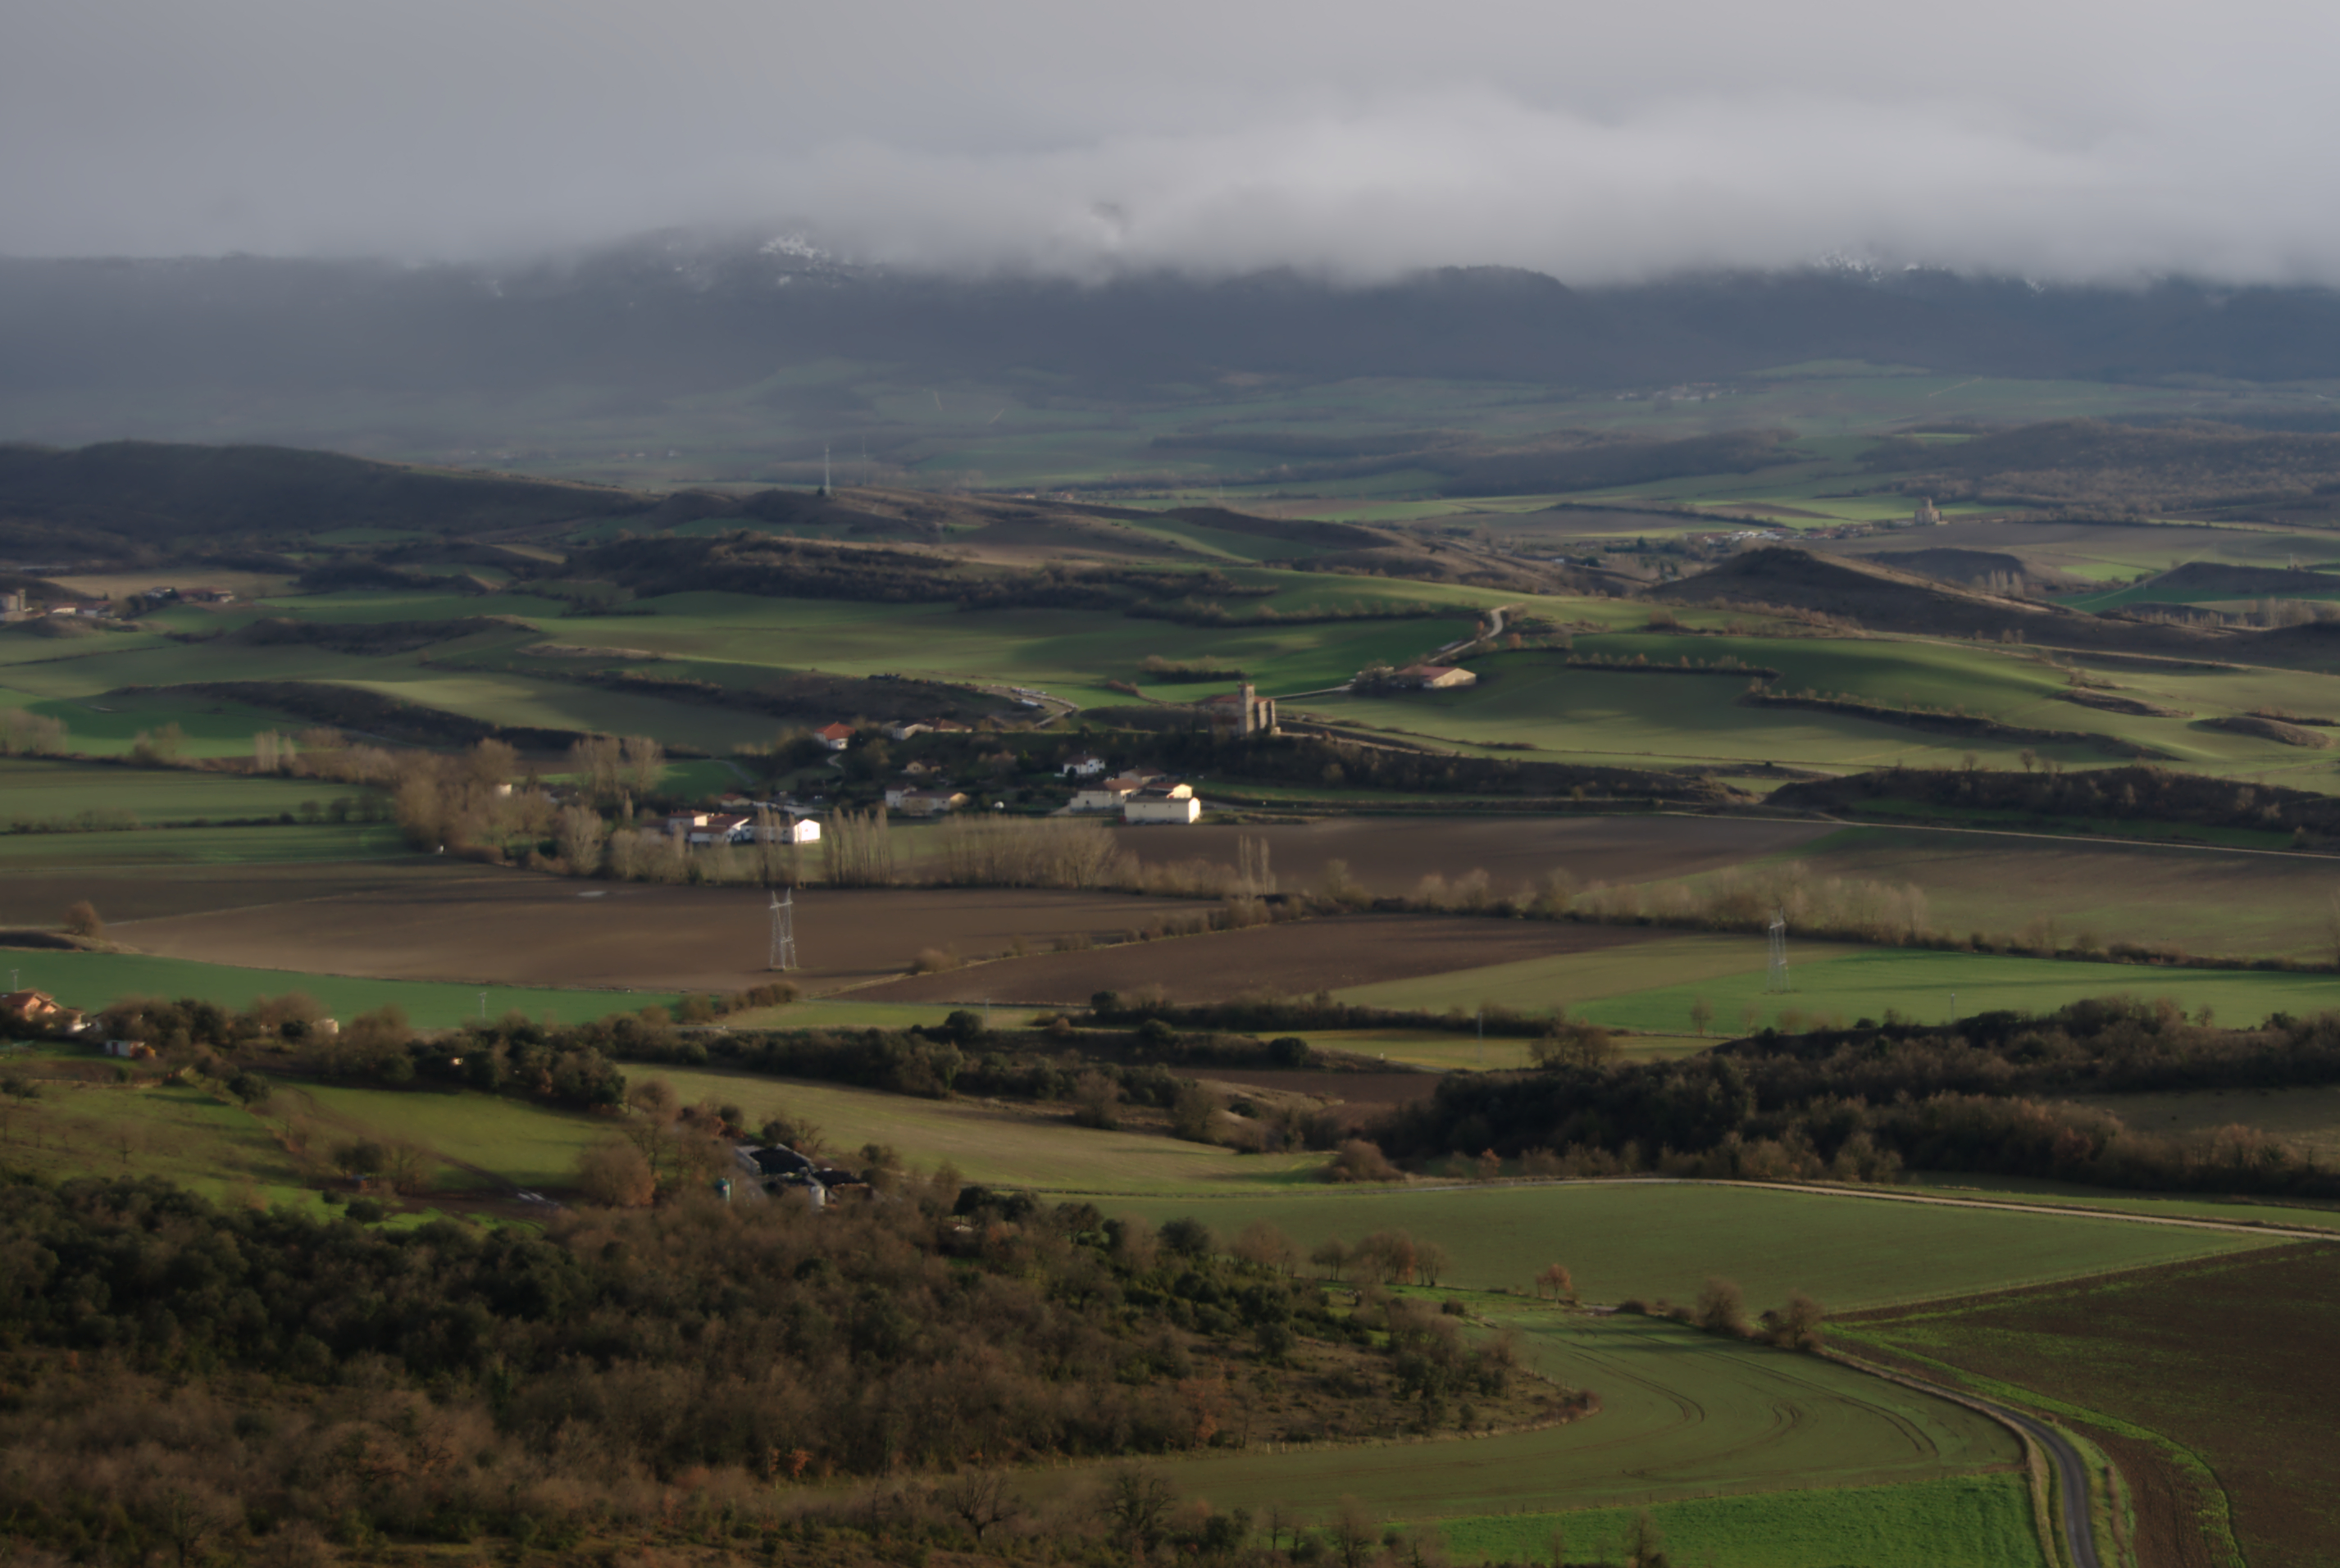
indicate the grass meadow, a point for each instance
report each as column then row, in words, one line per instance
column 39, row 790
column 61, row 853
column 91, row 980
column 1654, row 986
column 1976, row 1521
column 1684, row 1416
column 1662, row 1238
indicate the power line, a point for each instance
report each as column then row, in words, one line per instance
column 784, row 931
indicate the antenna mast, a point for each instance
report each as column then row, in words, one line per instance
column 784, row 931
column 1777, row 980
column 824, row 469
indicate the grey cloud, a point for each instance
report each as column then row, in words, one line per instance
column 2061, row 140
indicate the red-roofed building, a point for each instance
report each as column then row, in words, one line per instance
column 836, row 737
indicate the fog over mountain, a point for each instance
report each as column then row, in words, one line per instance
column 2073, row 141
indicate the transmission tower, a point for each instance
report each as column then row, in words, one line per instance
column 784, row 931
column 1776, row 980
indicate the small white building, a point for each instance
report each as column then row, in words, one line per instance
column 1106, row 794
column 836, row 737
column 1086, row 766
column 1162, row 803
column 929, row 802
column 903, row 731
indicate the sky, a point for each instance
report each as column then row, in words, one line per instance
column 2061, row 140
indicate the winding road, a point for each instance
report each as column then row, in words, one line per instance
column 2071, row 1481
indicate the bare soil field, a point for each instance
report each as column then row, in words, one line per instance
column 1295, row 960
column 2227, row 1358
column 35, row 897
column 512, row 928
column 1390, row 855
column 2201, row 899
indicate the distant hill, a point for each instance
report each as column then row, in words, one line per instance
column 670, row 313
column 1952, row 565
column 2210, row 578
column 1885, row 599
column 150, row 491
column 2093, row 463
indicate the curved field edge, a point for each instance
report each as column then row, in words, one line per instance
column 2216, row 1517
column 1647, row 1238
column 1957, row 1521
column 1682, row 1414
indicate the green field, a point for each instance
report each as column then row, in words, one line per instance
column 59, row 854
column 90, row 981
column 1831, row 980
column 997, row 1143
column 1653, row 1239
column 526, row 1145
column 1959, row 1522
column 1684, row 1416
column 41, row 791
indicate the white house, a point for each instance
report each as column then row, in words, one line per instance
column 903, row 731
column 931, row 802
column 1084, row 766
column 717, row 827
column 1106, row 794
column 1162, row 803
column 836, row 737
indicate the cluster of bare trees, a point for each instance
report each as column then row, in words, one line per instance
column 1382, row 1257
column 23, row 734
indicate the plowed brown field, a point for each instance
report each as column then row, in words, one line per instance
column 2229, row 1358
column 512, row 928
column 1391, row 855
column 1295, row 960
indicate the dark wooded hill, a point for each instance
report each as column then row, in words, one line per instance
column 1883, row 598
column 670, row 313
column 151, row 492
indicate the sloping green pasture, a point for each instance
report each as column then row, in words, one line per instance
column 1981, row 1521
column 1067, row 653
column 1633, row 990
column 1683, row 1416
column 1664, row 1238
column 91, row 980
column 55, row 853
column 994, row 1142
column 38, row 790
column 1535, row 697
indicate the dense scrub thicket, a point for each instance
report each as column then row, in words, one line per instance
column 183, row 1379
column 1863, row 1103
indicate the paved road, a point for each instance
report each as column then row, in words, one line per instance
column 2071, row 1480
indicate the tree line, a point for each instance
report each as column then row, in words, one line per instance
column 1869, row 1102
column 213, row 1384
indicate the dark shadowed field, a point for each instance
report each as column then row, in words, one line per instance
column 1391, row 855
column 512, row 928
column 2229, row 1358
column 1296, row 959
